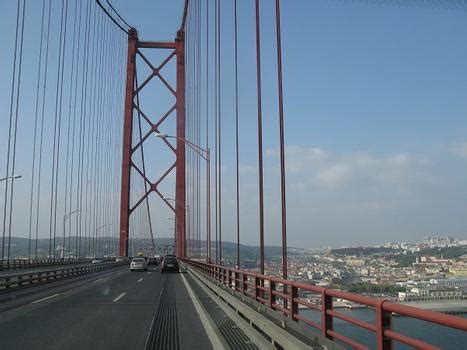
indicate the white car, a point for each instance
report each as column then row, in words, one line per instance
column 97, row 261
column 138, row 264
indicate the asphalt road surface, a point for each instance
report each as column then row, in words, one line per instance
column 107, row 310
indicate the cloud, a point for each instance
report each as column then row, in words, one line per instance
column 315, row 167
column 345, row 197
column 333, row 175
column 460, row 149
column 297, row 157
column 246, row 169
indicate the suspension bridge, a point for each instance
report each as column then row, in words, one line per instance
column 108, row 138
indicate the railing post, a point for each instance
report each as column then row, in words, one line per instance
column 272, row 297
column 383, row 322
column 293, row 304
column 257, row 290
column 244, row 280
column 326, row 320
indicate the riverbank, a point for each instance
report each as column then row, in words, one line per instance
column 445, row 306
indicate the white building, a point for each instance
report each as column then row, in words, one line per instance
column 450, row 282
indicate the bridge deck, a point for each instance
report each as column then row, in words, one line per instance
column 114, row 309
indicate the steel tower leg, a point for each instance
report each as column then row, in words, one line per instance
column 180, row 190
column 127, row 143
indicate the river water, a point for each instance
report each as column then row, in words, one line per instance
column 444, row 337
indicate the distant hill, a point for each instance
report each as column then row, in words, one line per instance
column 445, row 252
column 363, row 251
column 20, row 247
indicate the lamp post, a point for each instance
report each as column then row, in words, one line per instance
column 205, row 154
column 66, row 216
column 97, row 230
column 172, row 219
column 173, row 229
column 187, row 209
column 13, row 177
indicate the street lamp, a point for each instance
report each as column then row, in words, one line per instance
column 66, row 216
column 172, row 219
column 187, row 209
column 13, row 177
column 97, row 230
column 205, row 154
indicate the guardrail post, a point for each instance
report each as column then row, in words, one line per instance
column 326, row 320
column 244, row 281
column 257, row 290
column 383, row 322
column 293, row 294
column 272, row 297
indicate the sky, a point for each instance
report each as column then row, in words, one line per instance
column 375, row 118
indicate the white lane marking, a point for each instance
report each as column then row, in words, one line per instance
column 140, row 279
column 46, row 298
column 119, row 297
column 211, row 333
column 100, row 279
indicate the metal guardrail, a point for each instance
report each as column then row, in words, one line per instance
column 15, row 281
column 287, row 297
column 24, row 264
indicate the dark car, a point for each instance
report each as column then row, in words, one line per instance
column 169, row 263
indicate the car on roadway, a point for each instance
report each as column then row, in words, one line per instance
column 138, row 264
column 169, row 263
column 97, row 261
column 120, row 259
column 157, row 259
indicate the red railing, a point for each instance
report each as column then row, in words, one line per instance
column 288, row 296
